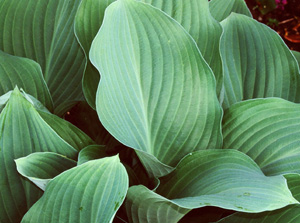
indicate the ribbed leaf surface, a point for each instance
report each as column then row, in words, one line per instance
column 195, row 17
column 43, row 30
column 222, row 178
column 26, row 74
column 143, row 205
column 70, row 133
column 156, row 93
column 23, row 131
column 41, row 167
column 267, row 130
column 88, row 20
column 256, row 62
column 290, row 214
column 90, row 153
column 91, row 192
column 221, row 9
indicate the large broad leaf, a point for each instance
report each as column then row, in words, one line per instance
column 256, row 62
column 290, row 214
column 223, row 178
column 88, row 20
column 24, row 131
column 221, row 9
column 195, row 17
column 41, row 167
column 26, row 74
column 267, row 130
column 43, row 30
column 156, row 92
column 91, row 192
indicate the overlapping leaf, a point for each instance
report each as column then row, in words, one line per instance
column 26, row 74
column 223, row 178
column 90, row 153
column 195, row 17
column 256, row 62
column 44, row 31
column 290, row 214
column 91, row 192
column 156, row 93
column 24, row 131
column 267, row 130
column 41, row 167
column 88, row 20
column 221, row 10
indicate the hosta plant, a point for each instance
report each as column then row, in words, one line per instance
column 146, row 111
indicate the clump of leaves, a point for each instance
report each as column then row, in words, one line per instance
column 197, row 102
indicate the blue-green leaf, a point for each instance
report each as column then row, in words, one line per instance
column 91, row 192
column 145, row 98
column 256, row 62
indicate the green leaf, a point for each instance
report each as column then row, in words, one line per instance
column 23, row 131
column 91, row 192
column 195, row 17
column 3, row 100
column 267, row 130
column 256, row 62
column 226, row 178
column 223, row 178
column 288, row 214
column 26, row 74
column 143, row 205
column 90, row 153
column 88, row 20
column 44, row 31
column 297, row 56
column 221, row 9
column 41, row 167
column 70, row 133
column 145, row 98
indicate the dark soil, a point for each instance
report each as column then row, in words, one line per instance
column 285, row 19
